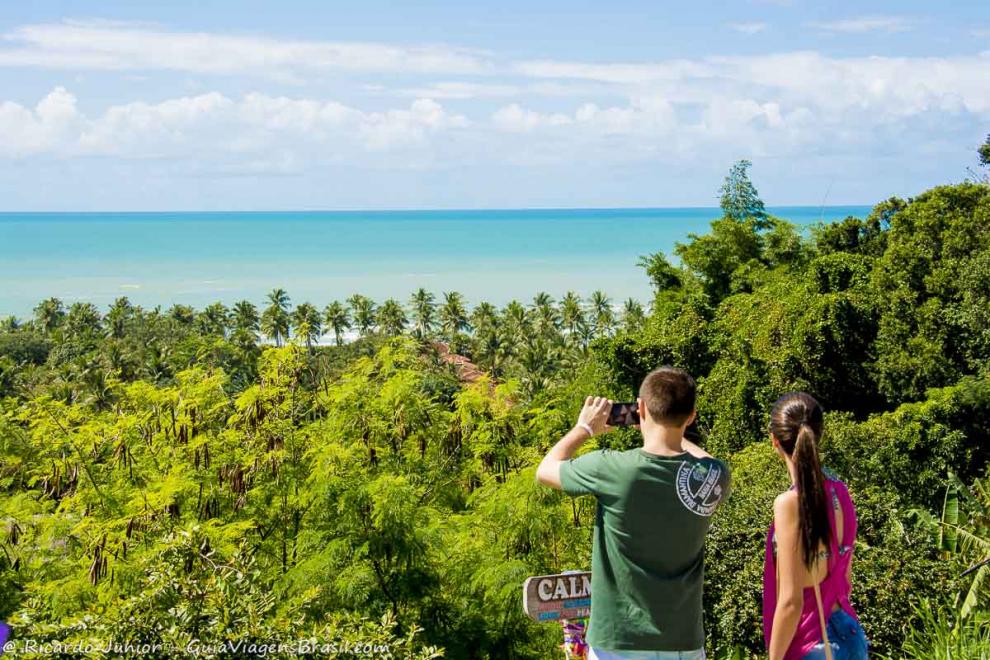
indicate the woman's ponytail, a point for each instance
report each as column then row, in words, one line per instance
column 796, row 422
column 812, row 502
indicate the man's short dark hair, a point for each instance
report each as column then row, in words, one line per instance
column 668, row 393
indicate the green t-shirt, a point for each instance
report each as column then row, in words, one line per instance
column 647, row 561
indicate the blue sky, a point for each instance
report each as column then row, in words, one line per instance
column 294, row 105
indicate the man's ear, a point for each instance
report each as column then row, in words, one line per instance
column 691, row 418
column 640, row 408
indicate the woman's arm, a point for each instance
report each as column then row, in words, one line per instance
column 694, row 449
column 791, row 570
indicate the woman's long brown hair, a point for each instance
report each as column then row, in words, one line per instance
column 796, row 421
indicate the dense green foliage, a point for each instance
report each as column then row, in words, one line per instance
column 166, row 477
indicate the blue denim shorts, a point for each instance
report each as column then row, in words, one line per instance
column 846, row 637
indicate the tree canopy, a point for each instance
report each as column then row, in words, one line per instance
column 172, row 476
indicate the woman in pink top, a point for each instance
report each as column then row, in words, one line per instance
column 809, row 547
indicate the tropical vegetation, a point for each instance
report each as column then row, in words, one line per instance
column 363, row 472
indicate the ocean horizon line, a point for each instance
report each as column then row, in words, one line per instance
column 486, row 209
column 197, row 258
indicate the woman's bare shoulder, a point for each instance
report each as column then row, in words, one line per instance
column 785, row 506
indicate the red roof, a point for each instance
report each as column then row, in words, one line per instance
column 466, row 370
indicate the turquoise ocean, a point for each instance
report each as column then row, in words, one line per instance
column 199, row 258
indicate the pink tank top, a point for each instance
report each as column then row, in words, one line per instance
column 835, row 587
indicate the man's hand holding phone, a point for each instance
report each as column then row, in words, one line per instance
column 593, row 420
column 594, row 415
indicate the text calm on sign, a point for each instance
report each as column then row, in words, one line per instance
column 555, row 597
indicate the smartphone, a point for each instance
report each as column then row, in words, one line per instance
column 623, row 414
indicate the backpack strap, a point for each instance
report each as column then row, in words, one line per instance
column 821, row 622
column 818, row 601
column 835, row 542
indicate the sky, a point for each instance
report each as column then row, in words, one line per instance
column 248, row 105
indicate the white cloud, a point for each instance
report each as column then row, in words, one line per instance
column 890, row 86
column 646, row 128
column 214, row 126
column 886, row 86
column 882, row 86
column 114, row 46
column 779, row 104
column 383, row 131
column 748, row 28
column 518, row 119
column 861, row 24
column 616, row 73
column 24, row 131
column 461, row 90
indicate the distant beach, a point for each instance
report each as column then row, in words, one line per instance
column 200, row 258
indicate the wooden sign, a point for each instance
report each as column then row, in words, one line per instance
column 555, row 597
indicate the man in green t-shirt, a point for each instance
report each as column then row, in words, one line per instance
column 654, row 508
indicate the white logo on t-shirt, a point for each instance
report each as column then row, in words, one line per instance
column 698, row 487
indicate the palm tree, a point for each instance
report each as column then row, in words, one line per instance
column 214, row 320
column 632, row 315
column 275, row 318
column 306, row 319
column 571, row 313
column 493, row 352
column 245, row 316
column 544, row 314
column 516, row 321
column 585, row 332
column 156, row 363
column 95, row 384
column 538, row 359
column 49, row 314
column 184, row 314
column 363, row 313
column 423, row 311
column 246, row 323
column 120, row 362
column 453, row 316
column 82, row 319
column 392, row 318
column 601, row 313
column 542, row 299
column 336, row 317
column 116, row 319
column 484, row 317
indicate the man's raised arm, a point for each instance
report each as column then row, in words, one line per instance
column 590, row 422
